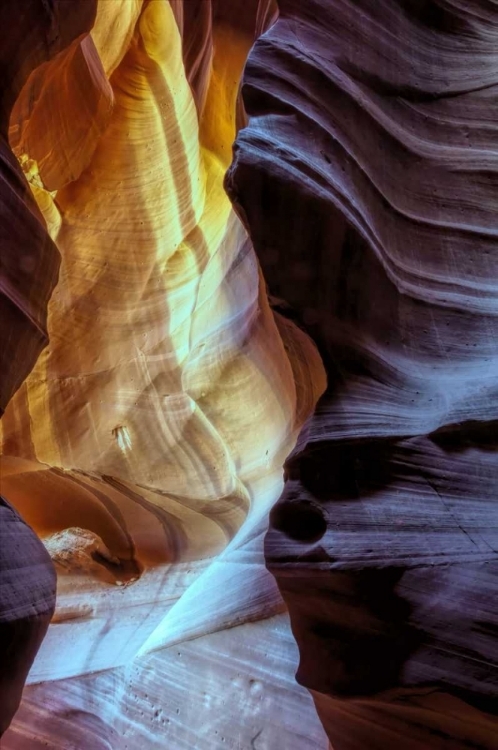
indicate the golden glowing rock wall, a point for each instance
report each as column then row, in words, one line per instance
column 146, row 447
column 165, row 368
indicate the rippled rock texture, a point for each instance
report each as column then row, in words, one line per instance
column 146, row 446
column 30, row 36
column 367, row 177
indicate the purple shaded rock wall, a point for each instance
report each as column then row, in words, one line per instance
column 368, row 179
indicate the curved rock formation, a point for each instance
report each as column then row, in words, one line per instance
column 146, row 447
column 27, row 601
column 29, row 264
column 367, row 179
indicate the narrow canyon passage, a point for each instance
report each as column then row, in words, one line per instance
column 276, row 227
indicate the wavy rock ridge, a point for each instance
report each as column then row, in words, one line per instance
column 146, row 446
column 29, row 264
column 367, row 178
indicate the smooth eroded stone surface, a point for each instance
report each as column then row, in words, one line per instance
column 367, row 179
column 30, row 34
column 27, row 600
column 29, row 261
column 241, row 694
column 146, row 447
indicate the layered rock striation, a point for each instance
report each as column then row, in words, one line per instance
column 29, row 263
column 367, row 179
column 146, row 446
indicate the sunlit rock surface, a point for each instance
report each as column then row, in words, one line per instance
column 146, row 446
column 367, row 177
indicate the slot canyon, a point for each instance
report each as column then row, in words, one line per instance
column 249, row 375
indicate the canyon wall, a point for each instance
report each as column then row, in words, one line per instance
column 367, row 178
column 146, row 446
column 180, row 319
